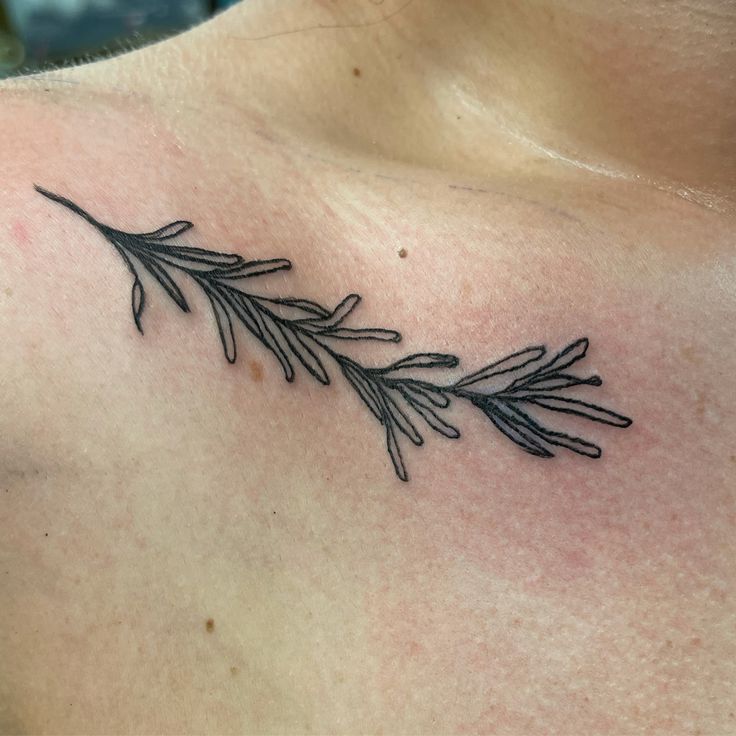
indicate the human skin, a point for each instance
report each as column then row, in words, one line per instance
column 578, row 185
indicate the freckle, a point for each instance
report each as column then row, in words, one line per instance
column 516, row 622
column 210, row 625
column 674, row 517
column 696, row 641
column 8, row 292
column 256, row 371
column 701, row 399
column 403, row 253
column 234, row 671
column 668, row 643
column 688, row 353
column 414, row 648
column 356, row 72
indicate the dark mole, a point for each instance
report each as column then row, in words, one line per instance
column 356, row 71
column 403, row 253
column 210, row 625
column 46, row 535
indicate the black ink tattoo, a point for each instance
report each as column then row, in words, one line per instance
column 303, row 332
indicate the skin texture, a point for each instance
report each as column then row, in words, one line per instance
column 229, row 554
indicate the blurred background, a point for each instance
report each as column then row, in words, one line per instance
column 36, row 34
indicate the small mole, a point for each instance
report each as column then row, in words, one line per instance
column 210, row 625
column 356, row 72
column 274, row 513
column 234, row 671
column 256, row 371
column 46, row 535
column 403, row 253
column 459, row 117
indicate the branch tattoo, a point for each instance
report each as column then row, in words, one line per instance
column 303, row 333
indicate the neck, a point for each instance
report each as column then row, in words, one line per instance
column 640, row 91
column 644, row 89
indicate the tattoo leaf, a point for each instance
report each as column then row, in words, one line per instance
column 167, row 283
column 224, row 324
column 249, row 269
column 347, row 333
column 167, row 231
column 421, row 360
column 505, row 365
column 138, row 301
column 307, row 355
column 305, row 306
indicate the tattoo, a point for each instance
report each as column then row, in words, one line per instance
column 303, row 332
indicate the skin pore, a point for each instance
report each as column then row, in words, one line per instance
column 193, row 546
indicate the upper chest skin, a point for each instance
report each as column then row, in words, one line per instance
column 175, row 488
